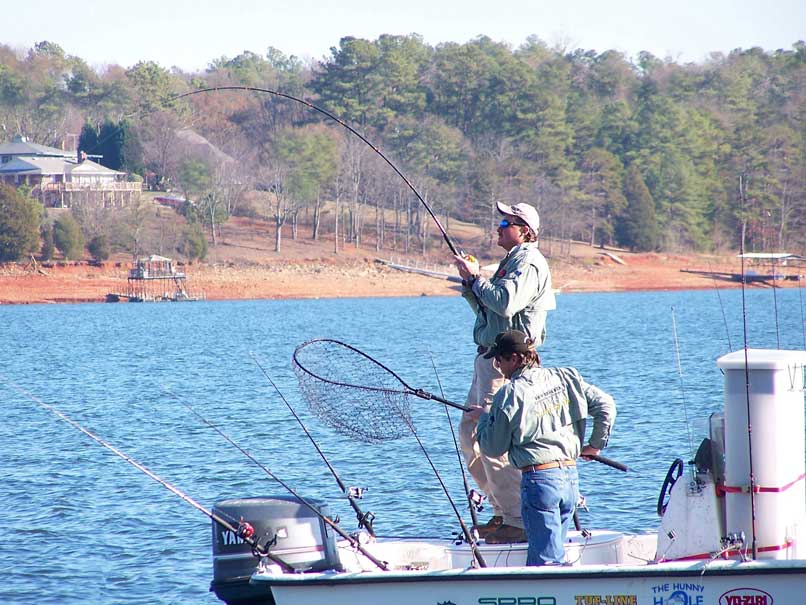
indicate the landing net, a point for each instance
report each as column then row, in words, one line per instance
column 351, row 392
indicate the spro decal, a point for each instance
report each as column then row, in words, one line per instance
column 517, row 601
column 746, row 596
column 606, row 599
column 678, row 593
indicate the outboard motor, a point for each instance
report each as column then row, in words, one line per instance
column 291, row 530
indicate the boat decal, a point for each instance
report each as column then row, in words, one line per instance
column 746, row 596
column 525, row 600
column 610, row 599
column 678, row 593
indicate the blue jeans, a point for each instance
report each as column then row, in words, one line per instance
column 548, row 500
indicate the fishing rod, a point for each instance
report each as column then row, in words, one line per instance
column 454, row 250
column 465, row 531
column 242, row 529
column 351, row 539
column 802, row 319
column 474, row 499
column 329, row 374
column 775, row 306
column 352, row 494
column 742, row 196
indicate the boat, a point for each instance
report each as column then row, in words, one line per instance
column 732, row 529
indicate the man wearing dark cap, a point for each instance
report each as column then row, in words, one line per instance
column 539, row 419
column 518, row 295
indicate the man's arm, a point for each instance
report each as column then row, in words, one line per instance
column 602, row 407
column 494, row 430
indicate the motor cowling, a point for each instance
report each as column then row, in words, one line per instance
column 291, row 531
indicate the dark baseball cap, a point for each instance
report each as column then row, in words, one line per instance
column 511, row 341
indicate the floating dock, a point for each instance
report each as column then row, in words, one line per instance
column 155, row 279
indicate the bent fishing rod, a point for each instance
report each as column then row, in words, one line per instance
column 332, row 524
column 243, row 530
column 352, row 494
column 456, row 251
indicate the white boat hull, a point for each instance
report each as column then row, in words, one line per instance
column 717, row 583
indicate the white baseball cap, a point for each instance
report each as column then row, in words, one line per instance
column 526, row 212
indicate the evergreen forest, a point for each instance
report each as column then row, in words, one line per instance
column 644, row 153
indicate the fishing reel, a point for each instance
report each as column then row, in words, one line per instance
column 356, row 492
column 476, row 500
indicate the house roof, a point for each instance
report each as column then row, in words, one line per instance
column 20, row 146
column 50, row 165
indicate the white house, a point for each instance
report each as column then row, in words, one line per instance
column 62, row 178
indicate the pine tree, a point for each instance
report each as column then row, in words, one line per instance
column 638, row 228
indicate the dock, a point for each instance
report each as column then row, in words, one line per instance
column 155, row 279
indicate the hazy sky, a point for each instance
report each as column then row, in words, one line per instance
column 190, row 33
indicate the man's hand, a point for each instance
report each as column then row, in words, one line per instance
column 468, row 267
column 475, row 411
column 588, row 451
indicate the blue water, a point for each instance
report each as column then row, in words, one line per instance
column 79, row 525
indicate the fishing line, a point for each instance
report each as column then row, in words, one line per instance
column 364, row 519
column 352, row 540
column 473, row 505
column 243, row 530
column 722, row 308
column 454, row 250
column 682, row 386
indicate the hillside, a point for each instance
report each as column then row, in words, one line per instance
column 245, row 266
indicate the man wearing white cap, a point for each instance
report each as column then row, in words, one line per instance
column 518, row 296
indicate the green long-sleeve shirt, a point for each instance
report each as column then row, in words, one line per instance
column 540, row 416
column 517, row 297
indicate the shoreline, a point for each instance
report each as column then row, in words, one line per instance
column 82, row 282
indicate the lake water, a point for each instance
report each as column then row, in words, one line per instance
column 79, row 525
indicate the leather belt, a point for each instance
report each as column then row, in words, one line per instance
column 544, row 467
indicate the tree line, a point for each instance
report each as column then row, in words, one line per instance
column 647, row 154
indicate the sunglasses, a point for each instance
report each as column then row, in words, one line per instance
column 508, row 223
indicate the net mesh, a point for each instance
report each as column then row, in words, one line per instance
column 351, row 392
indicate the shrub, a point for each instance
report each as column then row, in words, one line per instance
column 19, row 224
column 194, row 244
column 99, row 248
column 68, row 237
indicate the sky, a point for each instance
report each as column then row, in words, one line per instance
column 189, row 34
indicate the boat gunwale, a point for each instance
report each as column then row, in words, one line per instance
column 663, row 570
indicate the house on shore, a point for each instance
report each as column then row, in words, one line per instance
column 62, row 179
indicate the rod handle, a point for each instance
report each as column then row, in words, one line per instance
column 609, row 462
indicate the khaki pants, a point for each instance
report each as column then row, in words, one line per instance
column 500, row 481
